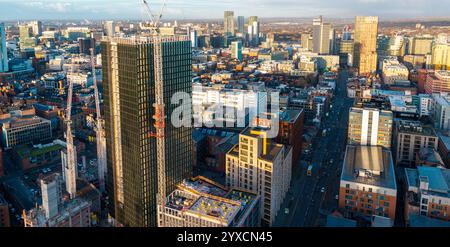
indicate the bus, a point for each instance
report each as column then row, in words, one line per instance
column 309, row 171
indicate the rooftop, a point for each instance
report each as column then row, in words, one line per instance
column 201, row 196
column 424, row 221
column 371, row 165
column 414, row 127
column 438, row 179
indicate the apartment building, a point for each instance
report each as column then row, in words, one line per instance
column 367, row 185
column 261, row 166
column 370, row 126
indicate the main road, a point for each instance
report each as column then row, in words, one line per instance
column 305, row 199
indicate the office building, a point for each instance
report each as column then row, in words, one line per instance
column 346, row 48
column 36, row 28
column 228, row 23
column 253, row 33
column 240, row 24
column 438, row 82
column 370, row 126
column 261, row 166
column 236, row 50
column 366, row 31
column 194, row 38
column 307, row 41
column 3, row 49
column 85, row 45
column 421, row 45
column 409, row 138
column 26, row 37
column 440, row 56
column 19, row 130
column 428, row 193
column 128, row 91
column 368, row 186
column 109, row 28
column 200, row 202
column 321, row 36
column 393, row 71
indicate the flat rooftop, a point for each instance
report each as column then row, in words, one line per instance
column 414, row 127
column 438, row 179
column 371, row 165
column 203, row 197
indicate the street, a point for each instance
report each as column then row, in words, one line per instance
column 305, row 200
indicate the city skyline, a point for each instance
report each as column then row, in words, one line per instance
column 199, row 9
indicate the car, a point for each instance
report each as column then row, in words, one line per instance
column 337, row 197
column 322, row 190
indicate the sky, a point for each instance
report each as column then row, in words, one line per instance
column 213, row 9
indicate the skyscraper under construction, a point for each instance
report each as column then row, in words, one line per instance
column 129, row 94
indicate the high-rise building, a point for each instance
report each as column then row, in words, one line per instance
column 421, row 45
column 228, row 23
column 346, row 48
column 240, row 24
column 252, row 19
column 109, row 28
column 321, row 36
column 368, row 186
column 236, row 50
column 51, row 195
column 36, row 27
column 307, row 41
column 262, row 166
column 370, row 127
column 3, row 50
column 440, row 57
column 253, row 33
column 366, row 31
column 194, row 38
column 129, row 94
column 26, row 38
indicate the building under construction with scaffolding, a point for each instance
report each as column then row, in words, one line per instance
column 129, row 95
column 200, row 202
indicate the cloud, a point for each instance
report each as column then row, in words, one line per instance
column 186, row 9
column 59, row 7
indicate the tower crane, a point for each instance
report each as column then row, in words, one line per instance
column 100, row 131
column 70, row 161
column 159, row 113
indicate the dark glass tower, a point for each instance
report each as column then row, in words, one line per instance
column 128, row 80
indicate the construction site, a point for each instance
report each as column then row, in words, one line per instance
column 200, row 202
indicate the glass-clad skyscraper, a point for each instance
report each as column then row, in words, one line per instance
column 129, row 90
